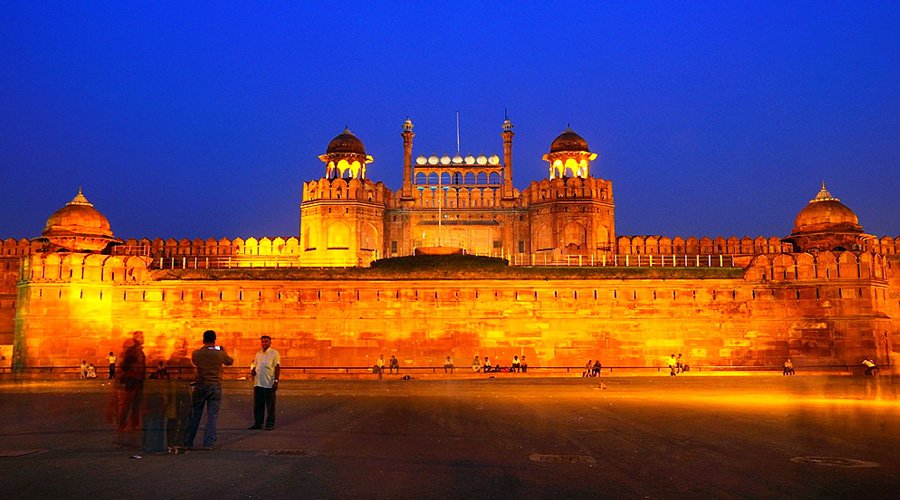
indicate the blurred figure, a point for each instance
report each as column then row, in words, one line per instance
column 379, row 365
column 588, row 368
column 207, row 389
column 871, row 367
column 487, row 365
column 161, row 373
column 448, row 365
column 679, row 365
column 178, row 411
column 523, row 366
column 788, row 367
column 515, row 364
column 265, row 369
column 154, row 409
column 82, row 370
column 672, row 365
column 595, row 370
column 129, row 388
column 476, row 364
column 91, row 371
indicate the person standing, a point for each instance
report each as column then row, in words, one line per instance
column 207, row 392
column 112, row 365
column 265, row 369
column 379, row 366
column 83, row 369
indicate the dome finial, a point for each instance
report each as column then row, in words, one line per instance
column 80, row 199
column 823, row 195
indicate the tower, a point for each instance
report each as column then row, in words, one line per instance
column 407, row 135
column 342, row 214
column 569, row 156
column 507, row 135
column 572, row 213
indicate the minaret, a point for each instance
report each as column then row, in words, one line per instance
column 507, row 135
column 408, row 135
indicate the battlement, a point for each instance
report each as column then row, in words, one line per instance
column 569, row 188
column 11, row 247
column 346, row 189
column 663, row 245
column 81, row 267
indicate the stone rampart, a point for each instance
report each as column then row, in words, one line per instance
column 825, row 308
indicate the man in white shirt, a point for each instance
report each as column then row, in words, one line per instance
column 265, row 370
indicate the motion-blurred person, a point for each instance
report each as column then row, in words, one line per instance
column 207, row 389
column 788, row 367
column 265, row 369
column 129, row 389
column 871, row 367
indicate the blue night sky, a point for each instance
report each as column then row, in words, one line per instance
column 195, row 119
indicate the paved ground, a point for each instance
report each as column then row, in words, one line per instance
column 643, row 437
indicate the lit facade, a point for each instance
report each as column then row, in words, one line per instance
column 828, row 293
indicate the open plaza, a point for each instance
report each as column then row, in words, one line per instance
column 464, row 436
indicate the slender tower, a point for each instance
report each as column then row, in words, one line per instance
column 507, row 135
column 408, row 135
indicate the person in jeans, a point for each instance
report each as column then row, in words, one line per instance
column 207, row 389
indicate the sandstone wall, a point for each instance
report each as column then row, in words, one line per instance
column 829, row 308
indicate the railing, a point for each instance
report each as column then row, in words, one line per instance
column 628, row 260
column 519, row 260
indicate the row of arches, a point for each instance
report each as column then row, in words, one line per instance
column 458, row 177
column 822, row 265
column 663, row 245
column 171, row 247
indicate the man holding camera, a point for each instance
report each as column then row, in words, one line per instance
column 207, row 389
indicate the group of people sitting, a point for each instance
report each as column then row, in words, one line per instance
column 88, row 370
column 517, row 365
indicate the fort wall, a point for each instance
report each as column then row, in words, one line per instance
column 833, row 307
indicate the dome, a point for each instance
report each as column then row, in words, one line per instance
column 346, row 142
column 78, row 226
column 569, row 141
column 825, row 212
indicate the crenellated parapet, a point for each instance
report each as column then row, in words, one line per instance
column 11, row 247
column 211, row 247
column 820, row 268
column 85, row 268
column 568, row 188
column 346, row 189
column 451, row 197
column 664, row 245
